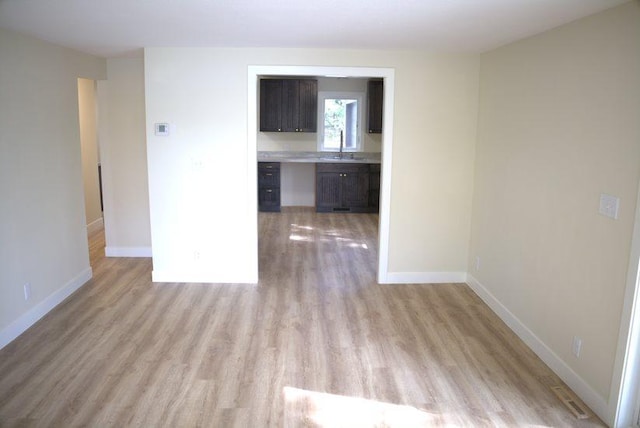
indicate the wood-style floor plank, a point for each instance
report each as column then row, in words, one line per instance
column 316, row 343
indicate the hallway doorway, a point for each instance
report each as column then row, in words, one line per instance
column 91, row 174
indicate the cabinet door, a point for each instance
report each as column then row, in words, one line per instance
column 328, row 191
column 342, row 187
column 307, row 106
column 270, row 105
column 290, row 105
column 374, row 187
column 375, row 91
column 355, row 189
column 268, row 199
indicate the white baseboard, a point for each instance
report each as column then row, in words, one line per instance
column 95, row 225
column 29, row 318
column 199, row 277
column 594, row 400
column 127, row 251
column 424, row 277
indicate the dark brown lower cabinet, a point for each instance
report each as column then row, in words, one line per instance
column 343, row 188
column 374, row 187
column 269, row 186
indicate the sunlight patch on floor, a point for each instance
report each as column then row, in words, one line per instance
column 306, row 408
column 301, row 233
column 294, row 237
column 295, row 226
column 358, row 245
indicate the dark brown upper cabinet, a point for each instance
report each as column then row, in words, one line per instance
column 288, row 105
column 270, row 105
column 375, row 90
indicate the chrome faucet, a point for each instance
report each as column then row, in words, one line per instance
column 341, row 142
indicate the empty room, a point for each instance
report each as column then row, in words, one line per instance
column 298, row 214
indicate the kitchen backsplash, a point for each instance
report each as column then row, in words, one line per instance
column 307, row 142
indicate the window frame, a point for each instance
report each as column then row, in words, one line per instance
column 324, row 95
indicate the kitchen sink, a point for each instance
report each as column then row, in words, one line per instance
column 343, row 157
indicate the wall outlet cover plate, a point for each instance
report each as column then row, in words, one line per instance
column 609, row 206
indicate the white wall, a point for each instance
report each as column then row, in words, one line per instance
column 298, row 184
column 87, row 108
column 559, row 125
column 124, row 159
column 198, row 178
column 43, row 235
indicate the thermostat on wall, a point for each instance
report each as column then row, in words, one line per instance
column 162, row 129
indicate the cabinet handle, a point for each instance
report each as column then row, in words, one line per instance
column 269, row 166
column 269, row 174
column 279, row 129
column 269, row 190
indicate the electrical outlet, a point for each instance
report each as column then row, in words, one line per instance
column 196, row 255
column 477, row 262
column 577, row 346
column 27, row 291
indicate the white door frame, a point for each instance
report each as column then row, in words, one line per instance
column 388, row 74
column 625, row 385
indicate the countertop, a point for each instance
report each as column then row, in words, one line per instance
column 320, row 157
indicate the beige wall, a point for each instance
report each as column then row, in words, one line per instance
column 559, row 125
column 43, row 235
column 124, row 163
column 198, row 177
column 87, row 107
column 434, row 137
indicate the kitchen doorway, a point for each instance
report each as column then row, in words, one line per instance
column 388, row 76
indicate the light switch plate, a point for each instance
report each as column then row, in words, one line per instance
column 162, row 129
column 609, row 205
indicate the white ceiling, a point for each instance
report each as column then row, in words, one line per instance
column 119, row 27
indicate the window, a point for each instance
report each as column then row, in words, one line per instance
column 339, row 119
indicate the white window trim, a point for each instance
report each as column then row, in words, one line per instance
column 323, row 95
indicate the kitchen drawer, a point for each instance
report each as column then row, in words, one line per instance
column 269, row 186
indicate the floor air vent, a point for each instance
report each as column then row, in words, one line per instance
column 578, row 410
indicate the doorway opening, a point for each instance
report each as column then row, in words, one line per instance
column 625, row 385
column 387, row 75
column 90, row 152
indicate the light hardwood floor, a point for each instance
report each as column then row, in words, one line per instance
column 316, row 343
